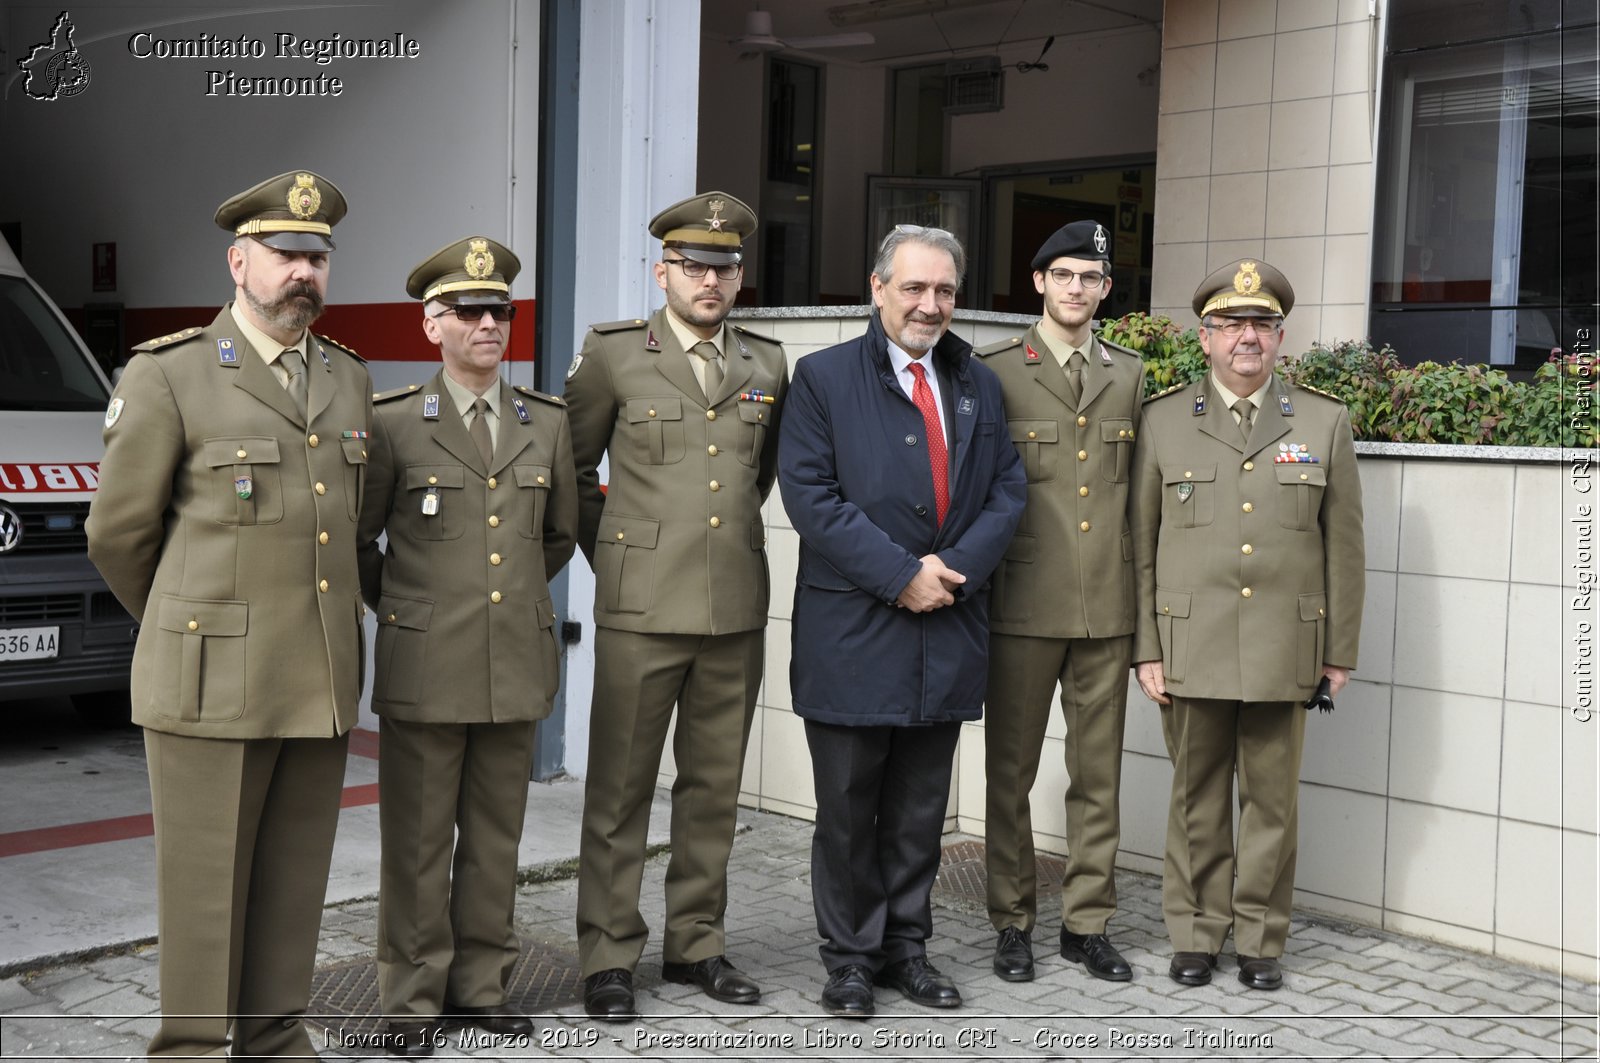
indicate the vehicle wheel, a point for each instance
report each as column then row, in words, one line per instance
column 104, row 708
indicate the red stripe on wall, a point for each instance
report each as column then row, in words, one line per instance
column 378, row 332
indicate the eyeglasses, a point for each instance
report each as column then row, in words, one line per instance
column 1090, row 279
column 913, row 230
column 1234, row 328
column 472, row 312
column 695, row 270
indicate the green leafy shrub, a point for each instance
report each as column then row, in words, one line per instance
column 1389, row 401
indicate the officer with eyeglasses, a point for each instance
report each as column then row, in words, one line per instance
column 473, row 480
column 685, row 408
column 1249, row 574
column 1061, row 609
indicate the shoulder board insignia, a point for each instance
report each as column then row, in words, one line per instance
column 168, row 340
column 757, row 336
column 1319, row 391
column 619, row 326
column 1169, row 391
column 554, row 400
column 995, row 348
column 386, row 396
column 330, row 341
column 1119, row 348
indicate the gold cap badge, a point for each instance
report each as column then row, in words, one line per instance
column 304, row 199
column 1247, row 279
column 479, row 260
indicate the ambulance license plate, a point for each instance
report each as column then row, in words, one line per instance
column 29, row 643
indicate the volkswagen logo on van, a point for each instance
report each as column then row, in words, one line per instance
column 10, row 529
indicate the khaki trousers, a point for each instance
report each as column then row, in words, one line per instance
column 244, row 837
column 1205, row 888
column 1023, row 673
column 450, row 808
column 639, row 678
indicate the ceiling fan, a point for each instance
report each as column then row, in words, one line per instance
column 758, row 38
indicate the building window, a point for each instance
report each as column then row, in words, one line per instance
column 1485, row 236
column 788, row 193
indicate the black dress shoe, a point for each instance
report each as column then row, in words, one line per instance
column 1192, row 968
column 608, row 995
column 1097, row 955
column 409, row 1040
column 500, row 1019
column 720, row 979
column 1013, row 955
column 848, row 993
column 921, row 982
column 1260, row 972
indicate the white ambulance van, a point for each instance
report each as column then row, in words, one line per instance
column 61, row 630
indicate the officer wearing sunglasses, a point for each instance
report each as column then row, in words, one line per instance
column 473, row 480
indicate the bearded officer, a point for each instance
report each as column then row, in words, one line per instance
column 1249, row 567
column 226, row 521
column 686, row 407
column 473, row 480
column 1061, row 609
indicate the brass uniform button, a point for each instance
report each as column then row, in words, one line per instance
column 1248, row 507
column 321, row 488
column 1084, row 526
column 711, row 415
column 312, row 440
column 1033, row 435
column 1166, row 609
column 240, row 454
column 323, row 538
column 1303, row 476
column 390, row 618
column 715, row 486
column 494, row 521
column 1083, row 492
column 1247, row 549
column 493, row 483
column 1247, row 592
column 194, row 625
column 1188, row 474
column 1249, row 465
column 652, row 413
column 495, row 597
column 1083, row 455
column 716, row 522
column 1122, row 433
column 712, row 450
column 363, row 453
column 619, row 537
column 540, row 479
column 1083, row 422
column 494, row 559
column 1322, row 612
column 323, row 586
column 432, row 480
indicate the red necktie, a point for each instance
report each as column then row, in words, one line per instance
column 938, row 457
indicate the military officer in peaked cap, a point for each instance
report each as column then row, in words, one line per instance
column 1249, row 573
column 226, row 521
column 1061, row 608
column 686, row 407
column 473, row 480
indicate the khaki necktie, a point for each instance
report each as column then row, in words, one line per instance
column 295, row 365
column 479, row 431
column 707, row 353
column 1246, row 411
column 1075, row 378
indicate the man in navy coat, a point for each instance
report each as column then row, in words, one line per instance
column 897, row 469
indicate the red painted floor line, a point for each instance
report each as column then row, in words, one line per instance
column 70, row 835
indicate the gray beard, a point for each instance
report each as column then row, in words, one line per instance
column 288, row 313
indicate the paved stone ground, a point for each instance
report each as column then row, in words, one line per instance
column 1351, row 991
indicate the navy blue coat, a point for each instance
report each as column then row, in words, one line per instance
column 854, row 474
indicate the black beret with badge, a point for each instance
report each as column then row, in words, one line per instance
column 474, row 271
column 1247, row 287
column 710, row 227
column 1079, row 239
column 294, row 211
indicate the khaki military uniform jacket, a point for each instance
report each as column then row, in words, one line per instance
column 1250, row 569
column 1068, row 572
column 676, row 540
column 227, row 524
column 466, row 629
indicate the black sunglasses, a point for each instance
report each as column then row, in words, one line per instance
column 470, row 312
